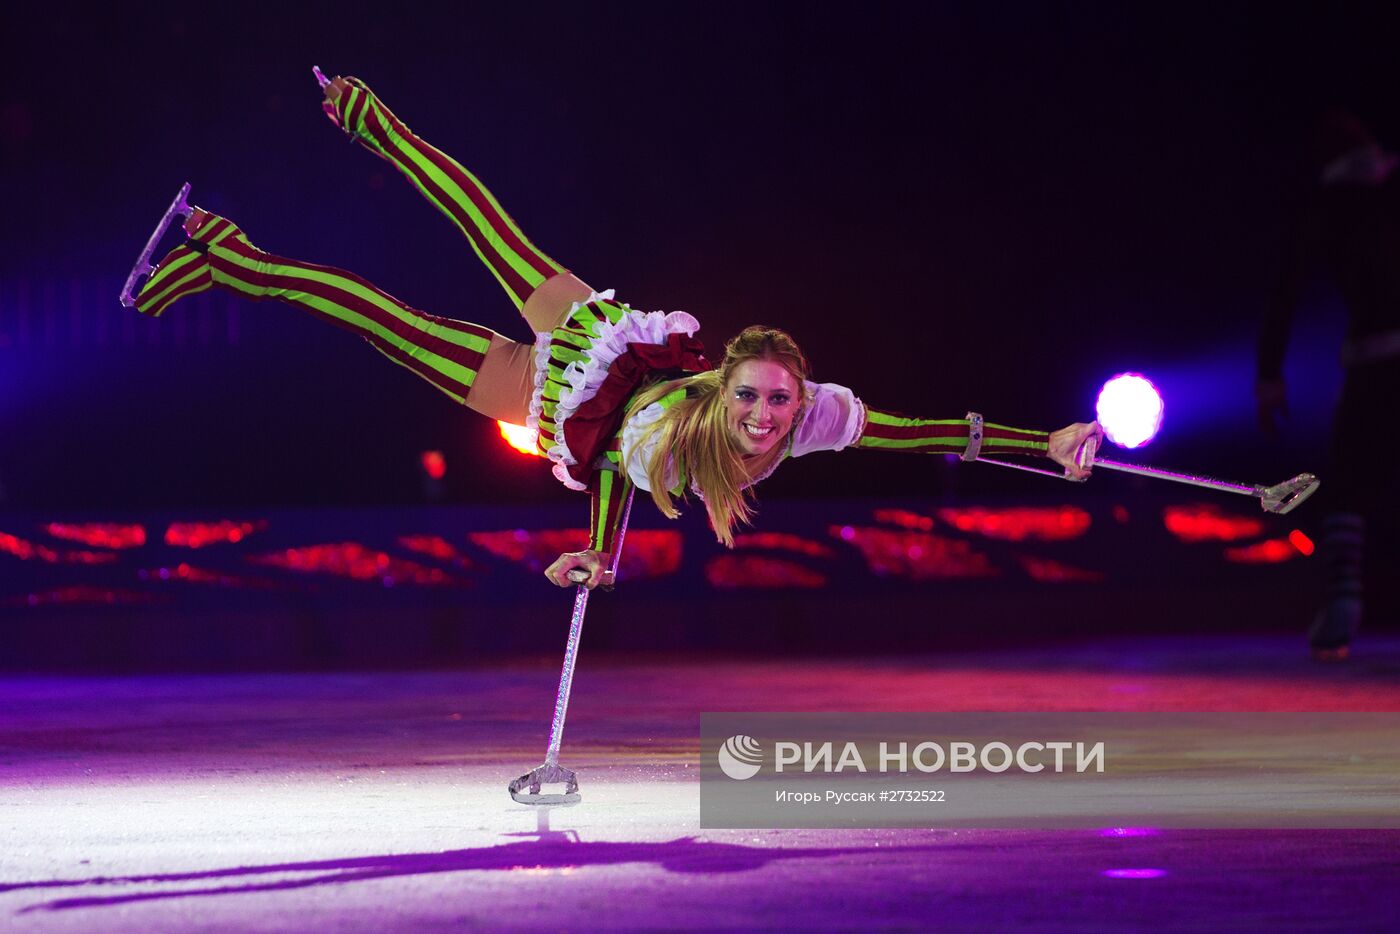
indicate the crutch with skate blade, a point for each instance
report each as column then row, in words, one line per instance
column 1280, row 498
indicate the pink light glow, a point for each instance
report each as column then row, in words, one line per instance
column 916, row 555
column 353, row 560
column 435, row 546
column 200, row 534
column 187, row 574
column 1270, row 551
column 88, row 557
column 1051, row 524
column 1208, row 523
column 434, row 464
column 1134, row 873
column 646, row 552
column 905, row 519
column 27, row 551
column 80, row 596
column 784, row 541
column 1047, row 571
column 1130, row 409
column 1129, row 832
column 730, row 572
column 99, row 534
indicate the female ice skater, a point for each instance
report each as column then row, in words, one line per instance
column 618, row 397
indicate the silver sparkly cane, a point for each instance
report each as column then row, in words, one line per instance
column 1280, row 498
column 551, row 772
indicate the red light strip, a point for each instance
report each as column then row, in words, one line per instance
column 1207, row 523
column 99, row 534
column 1051, row 524
column 201, row 534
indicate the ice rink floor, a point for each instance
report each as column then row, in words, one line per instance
column 376, row 801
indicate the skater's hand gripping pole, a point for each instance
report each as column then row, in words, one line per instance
column 589, row 568
column 1077, row 449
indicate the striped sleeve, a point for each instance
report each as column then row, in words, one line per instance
column 609, row 497
column 890, row 431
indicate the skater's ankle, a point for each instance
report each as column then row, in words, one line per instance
column 196, row 221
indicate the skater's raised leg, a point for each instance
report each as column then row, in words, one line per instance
column 541, row 288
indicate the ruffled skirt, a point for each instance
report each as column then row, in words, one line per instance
column 572, row 361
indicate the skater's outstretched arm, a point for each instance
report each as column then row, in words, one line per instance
column 888, row 431
column 835, row 419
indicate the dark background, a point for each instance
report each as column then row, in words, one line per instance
column 951, row 206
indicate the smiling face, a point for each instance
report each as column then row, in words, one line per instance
column 762, row 399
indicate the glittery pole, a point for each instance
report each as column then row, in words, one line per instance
column 526, row 788
column 566, row 678
column 1280, row 498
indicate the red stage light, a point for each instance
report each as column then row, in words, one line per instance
column 1051, row 524
column 729, row 572
column 193, row 575
column 916, row 555
column 435, row 546
column 1047, row 571
column 88, row 557
column 784, row 541
column 200, row 534
column 1271, row 551
column 434, row 464
column 521, row 438
column 25, row 550
column 1205, row 522
column 99, row 534
column 80, row 596
column 905, row 519
column 1301, row 542
column 645, row 553
column 353, row 560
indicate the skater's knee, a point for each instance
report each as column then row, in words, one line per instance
column 504, row 381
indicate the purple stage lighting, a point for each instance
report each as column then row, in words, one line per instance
column 1134, row 873
column 1130, row 409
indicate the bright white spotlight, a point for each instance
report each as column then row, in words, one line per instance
column 1130, row 409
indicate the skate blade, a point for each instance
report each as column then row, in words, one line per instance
column 545, row 774
column 180, row 206
column 1284, row 497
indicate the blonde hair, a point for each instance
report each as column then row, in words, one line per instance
column 693, row 433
